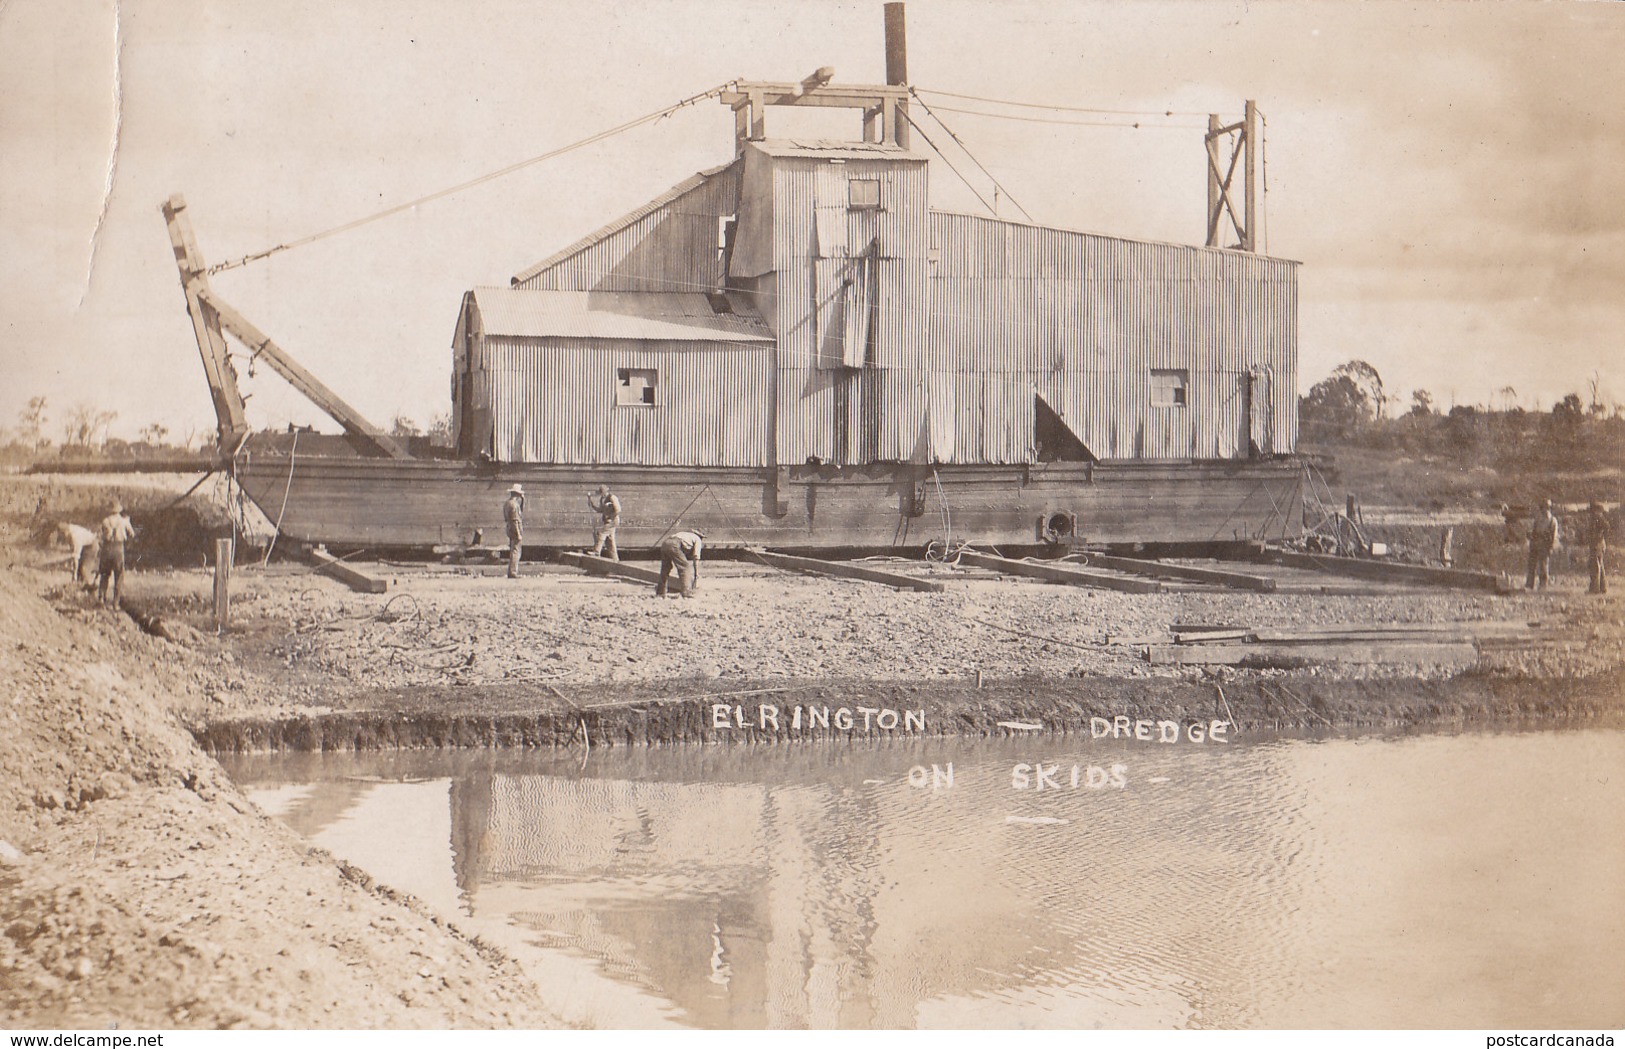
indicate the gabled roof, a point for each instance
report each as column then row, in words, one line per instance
column 654, row 316
column 688, row 185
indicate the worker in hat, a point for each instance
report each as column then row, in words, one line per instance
column 114, row 531
column 513, row 517
column 681, row 550
column 1597, row 544
column 608, row 509
column 1542, row 541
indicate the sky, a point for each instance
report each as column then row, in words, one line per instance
column 1451, row 175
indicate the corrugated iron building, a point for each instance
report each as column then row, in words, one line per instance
column 858, row 326
column 612, row 377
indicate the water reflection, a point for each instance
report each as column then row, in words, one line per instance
column 1399, row 882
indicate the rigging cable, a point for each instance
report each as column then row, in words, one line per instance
column 961, row 143
column 991, row 209
column 471, row 183
column 1065, row 109
column 1136, row 125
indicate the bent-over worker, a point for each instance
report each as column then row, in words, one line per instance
column 513, row 518
column 608, row 509
column 83, row 543
column 681, row 550
column 114, row 531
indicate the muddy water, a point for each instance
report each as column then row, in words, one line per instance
column 1427, row 881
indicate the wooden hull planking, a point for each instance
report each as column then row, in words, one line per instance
column 423, row 503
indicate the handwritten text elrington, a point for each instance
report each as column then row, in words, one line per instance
column 768, row 717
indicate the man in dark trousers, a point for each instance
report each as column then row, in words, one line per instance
column 1542, row 541
column 114, row 531
column 608, row 509
column 513, row 518
column 1597, row 542
column 681, row 550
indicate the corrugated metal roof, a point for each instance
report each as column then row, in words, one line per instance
column 688, row 185
column 834, row 149
column 671, row 316
column 1046, row 229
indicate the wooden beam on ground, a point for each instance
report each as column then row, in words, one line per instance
column 1302, row 655
column 1190, row 573
column 349, row 575
column 605, row 567
column 844, row 570
column 1056, row 572
column 1389, row 572
column 1466, row 629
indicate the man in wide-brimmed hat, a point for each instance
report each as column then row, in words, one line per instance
column 114, row 531
column 513, row 517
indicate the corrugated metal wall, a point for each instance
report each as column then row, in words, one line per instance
column 1083, row 320
column 671, row 248
column 841, row 273
column 554, row 401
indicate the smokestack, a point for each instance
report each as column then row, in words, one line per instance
column 897, row 63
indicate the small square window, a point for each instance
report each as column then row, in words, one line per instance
column 863, row 193
column 635, row 386
column 1169, row 387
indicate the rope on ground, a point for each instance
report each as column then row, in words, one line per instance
column 1029, row 634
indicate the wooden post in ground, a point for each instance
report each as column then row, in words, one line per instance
column 223, row 553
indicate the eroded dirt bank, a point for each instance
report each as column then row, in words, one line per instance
column 139, row 888
column 463, row 657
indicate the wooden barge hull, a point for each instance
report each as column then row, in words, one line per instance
column 420, row 503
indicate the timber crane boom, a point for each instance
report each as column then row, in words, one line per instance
column 212, row 316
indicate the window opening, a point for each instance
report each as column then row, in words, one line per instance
column 1169, row 387
column 635, row 386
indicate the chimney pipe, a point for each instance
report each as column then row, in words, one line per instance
column 897, row 63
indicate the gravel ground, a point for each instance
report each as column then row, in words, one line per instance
column 440, row 626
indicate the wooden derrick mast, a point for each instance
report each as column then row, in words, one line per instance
column 210, row 314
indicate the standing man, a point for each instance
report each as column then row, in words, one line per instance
column 1597, row 541
column 1542, row 541
column 681, row 550
column 513, row 517
column 608, row 509
column 114, row 531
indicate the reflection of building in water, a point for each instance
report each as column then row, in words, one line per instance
column 848, row 906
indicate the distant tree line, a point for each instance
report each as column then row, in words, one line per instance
column 80, row 432
column 1349, row 409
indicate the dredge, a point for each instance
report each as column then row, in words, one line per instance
column 794, row 350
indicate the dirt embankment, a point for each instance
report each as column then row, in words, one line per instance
column 139, row 888
column 463, row 657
